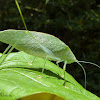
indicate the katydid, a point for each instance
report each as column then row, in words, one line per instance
column 40, row 45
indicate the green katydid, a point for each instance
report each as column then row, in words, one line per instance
column 40, row 45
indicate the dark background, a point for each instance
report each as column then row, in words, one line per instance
column 75, row 22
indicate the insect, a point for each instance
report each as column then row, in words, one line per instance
column 40, row 45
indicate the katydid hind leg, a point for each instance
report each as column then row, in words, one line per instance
column 6, row 50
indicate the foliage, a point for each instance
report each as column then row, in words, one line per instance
column 20, row 75
column 75, row 22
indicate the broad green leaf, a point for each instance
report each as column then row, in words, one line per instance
column 20, row 75
column 22, row 59
column 38, row 44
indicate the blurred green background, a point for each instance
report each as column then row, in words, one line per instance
column 75, row 22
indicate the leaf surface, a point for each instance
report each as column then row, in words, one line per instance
column 20, row 75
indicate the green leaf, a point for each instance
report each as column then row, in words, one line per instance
column 20, row 75
column 38, row 44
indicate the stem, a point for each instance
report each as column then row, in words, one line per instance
column 21, row 14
